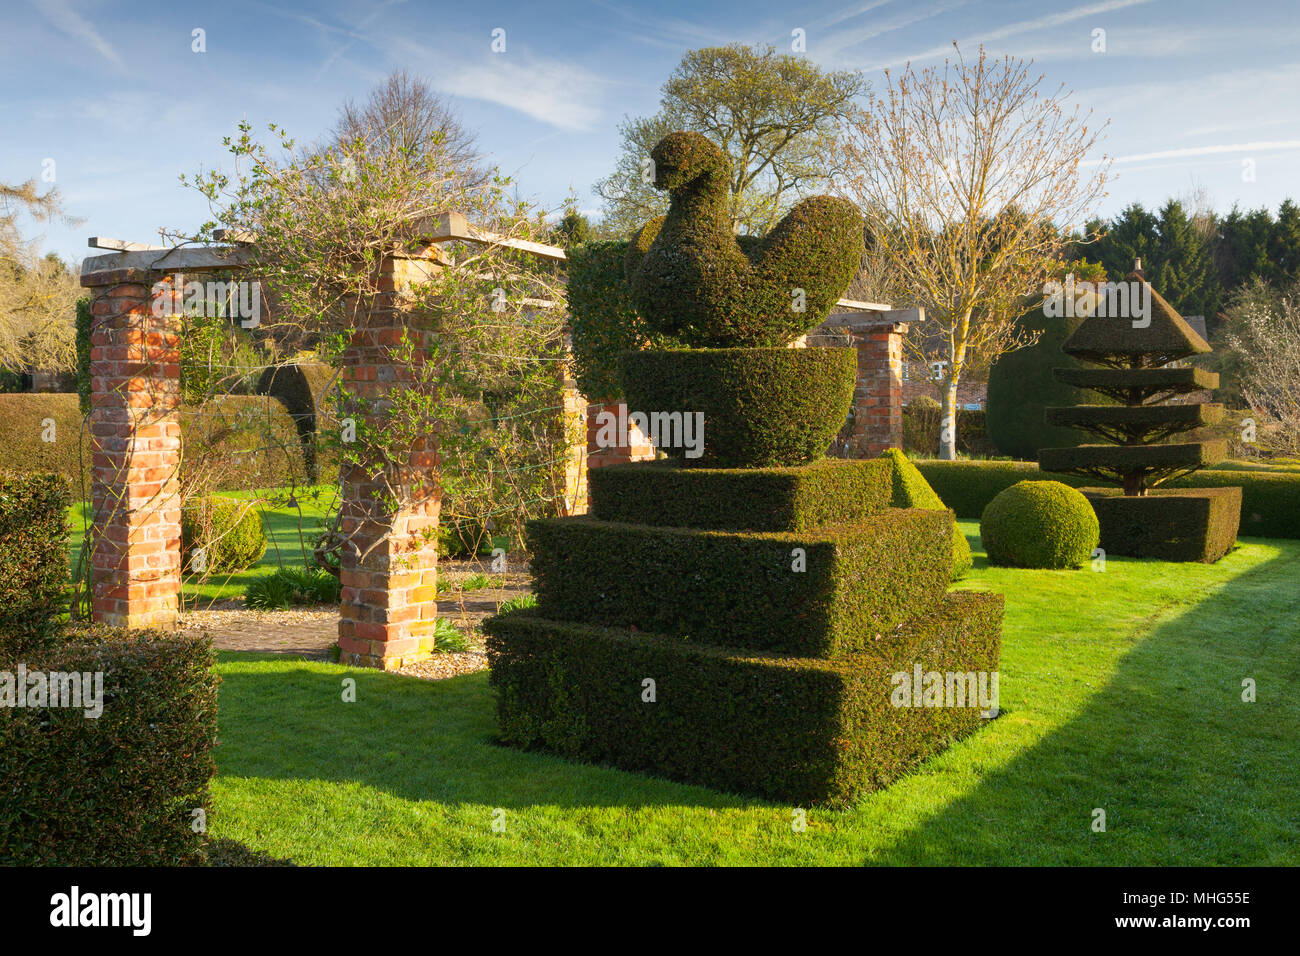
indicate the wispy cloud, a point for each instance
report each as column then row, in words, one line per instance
column 1259, row 146
column 547, row 90
column 63, row 18
column 848, row 37
column 1020, row 27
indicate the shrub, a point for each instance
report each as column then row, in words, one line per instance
column 745, row 589
column 762, row 407
column 465, row 536
column 909, row 490
column 826, row 492
column 1169, row 524
column 1039, row 524
column 120, row 789
column 518, row 603
column 695, row 282
column 228, row 530
column 791, row 729
column 24, row 425
column 603, row 322
column 287, row 587
column 33, row 560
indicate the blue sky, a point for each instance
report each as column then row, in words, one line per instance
column 113, row 94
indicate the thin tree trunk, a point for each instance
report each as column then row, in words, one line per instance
column 948, row 422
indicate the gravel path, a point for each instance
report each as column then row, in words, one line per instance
column 310, row 632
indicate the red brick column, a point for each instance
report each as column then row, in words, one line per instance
column 637, row 446
column 389, row 563
column 135, row 450
column 878, row 398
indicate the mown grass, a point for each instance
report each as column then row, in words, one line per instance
column 1120, row 691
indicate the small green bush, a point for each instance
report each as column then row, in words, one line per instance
column 1039, row 524
column 910, row 490
column 810, row 593
column 228, row 530
column 791, row 729
column 825, row 492
column 288, row 587
column 448, row 638
column 518, row 603
column 33, row 561
column 762, row 407
column 120, row 789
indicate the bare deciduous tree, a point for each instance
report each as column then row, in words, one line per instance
column 1263, row 330
column 38, row 295
column 965, row 173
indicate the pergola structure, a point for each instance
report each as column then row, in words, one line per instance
column 388, row 606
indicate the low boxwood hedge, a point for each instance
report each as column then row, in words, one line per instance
column 1039, row 524
column 119, row 789
column 1169, row 524
column 1270, row 503
column 744, row 589
column 762, row 407
column 33, row 560
column 826, row 492
column 793, row 729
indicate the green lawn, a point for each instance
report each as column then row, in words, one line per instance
column 286, row 530
column 1120, row 690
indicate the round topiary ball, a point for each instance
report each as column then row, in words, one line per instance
column 1039, row 524
column 221, row 535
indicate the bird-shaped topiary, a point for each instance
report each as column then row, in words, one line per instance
column 691, row 277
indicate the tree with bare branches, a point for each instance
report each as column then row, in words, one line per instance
column 970, row 179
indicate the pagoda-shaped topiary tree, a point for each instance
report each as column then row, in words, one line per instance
column 757, row 621
column 1135, row 336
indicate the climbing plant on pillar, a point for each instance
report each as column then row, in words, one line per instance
column 451, row 359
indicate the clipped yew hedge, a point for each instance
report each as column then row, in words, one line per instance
column 745, row 589
column 119, row 789
column 788, row 728
column 826, row 492
column 1169, row 524
column 762, row 407
column 1270, row 503
column 910, row 490
column 33, row 561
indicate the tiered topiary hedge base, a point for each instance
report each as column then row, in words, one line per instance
column 766, row 680
column 1170, row 524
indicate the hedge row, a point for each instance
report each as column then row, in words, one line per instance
column 799, row 730
column 826, row 492
column 229, row 432
column 807, row 593
column 923, row 421
column 119, row 789
column 1270, row 506
column 911, row 491
column 33, row 560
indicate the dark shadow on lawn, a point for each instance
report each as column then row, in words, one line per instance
column 415, row 739
column 1186, row 772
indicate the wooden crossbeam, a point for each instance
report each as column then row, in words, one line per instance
column 122, row 245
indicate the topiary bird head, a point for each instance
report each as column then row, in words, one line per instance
column 690, row 163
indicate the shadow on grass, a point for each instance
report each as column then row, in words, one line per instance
column 1185, row 771
column 285, row 718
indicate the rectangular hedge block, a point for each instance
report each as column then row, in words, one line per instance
column 826, row 492
column 1184, row 524
column 799, row 730
column 739, row 589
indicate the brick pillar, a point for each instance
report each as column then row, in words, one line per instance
column 135, row 450
column 636, row 447
column 389, row 563
column 878, row 398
